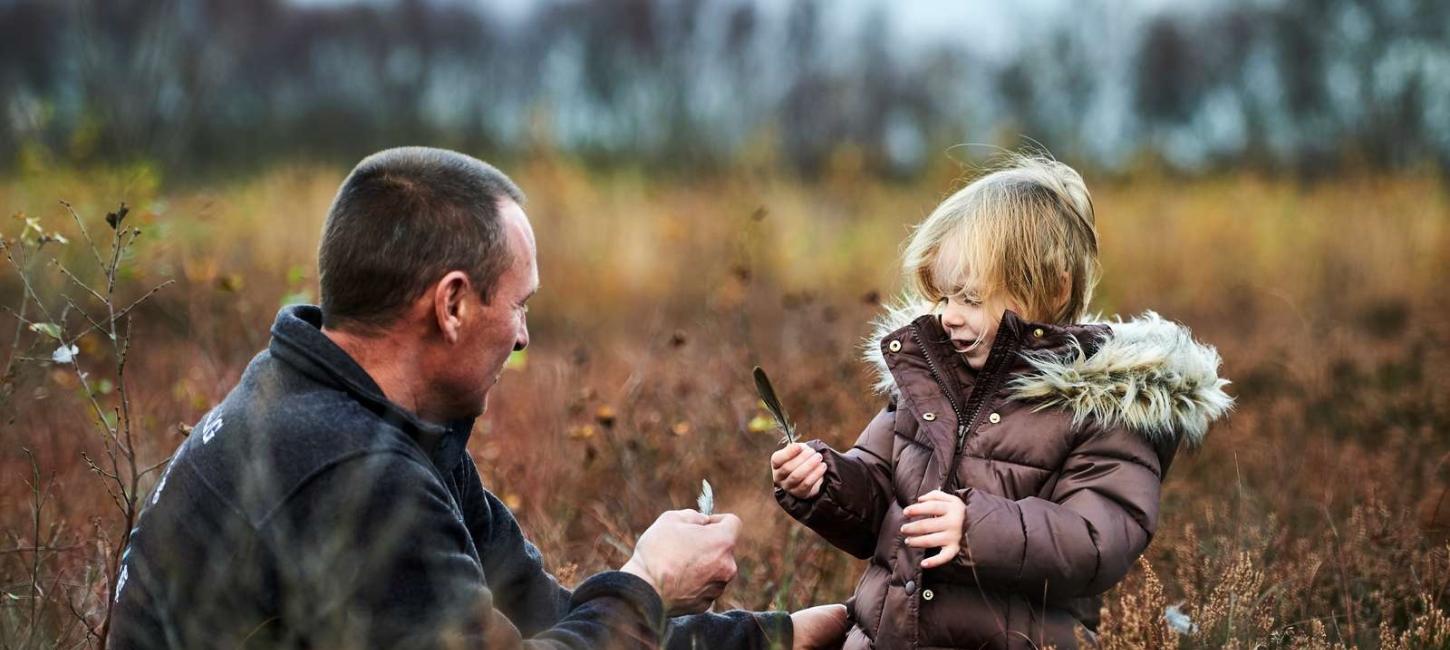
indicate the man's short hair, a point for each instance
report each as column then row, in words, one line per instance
column 401, row 220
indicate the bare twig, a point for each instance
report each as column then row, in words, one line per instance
column 85, row 232
column 119, row 470
column 77, row 281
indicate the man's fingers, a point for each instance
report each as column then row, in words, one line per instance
column 947, row 554
column 730, row 523
column 688, row 516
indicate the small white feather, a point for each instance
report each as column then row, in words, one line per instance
column 707, row 498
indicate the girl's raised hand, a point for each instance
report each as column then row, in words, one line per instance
column 798, row 469
column 942, row 525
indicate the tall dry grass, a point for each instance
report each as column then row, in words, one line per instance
column 1316, row 516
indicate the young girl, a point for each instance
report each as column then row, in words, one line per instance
column 1014, row 474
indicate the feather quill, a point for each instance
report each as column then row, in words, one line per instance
column 772, row 404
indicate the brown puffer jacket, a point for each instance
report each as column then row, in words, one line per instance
column 1057, row 447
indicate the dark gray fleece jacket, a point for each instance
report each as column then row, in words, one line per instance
column 306, row 510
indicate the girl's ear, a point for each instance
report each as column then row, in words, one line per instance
column 1064, row 293
column 450, row 309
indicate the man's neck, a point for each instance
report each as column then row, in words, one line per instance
column 390, row 360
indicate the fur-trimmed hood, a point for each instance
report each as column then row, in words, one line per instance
column 1146, row 373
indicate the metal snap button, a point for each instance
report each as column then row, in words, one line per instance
column 927, row 595
column 894, row 346
column 994, row 418
column 929, row 417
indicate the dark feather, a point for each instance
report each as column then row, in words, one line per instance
column 772, row 403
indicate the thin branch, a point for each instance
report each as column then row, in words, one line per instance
column 77, row 281
column 124, row 312
column 92, row 321
column 85, row 232
column 25, row 281
column 41, row 549
column 23, row 321
column 97, row 469
column 157, row 466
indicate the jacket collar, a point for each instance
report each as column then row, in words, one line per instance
column 1146, row 373
column 298, row 341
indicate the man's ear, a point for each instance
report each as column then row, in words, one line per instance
column 450, row 309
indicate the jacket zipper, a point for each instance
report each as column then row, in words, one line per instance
column 980, row 392
column 984, row 389
column 937, row 377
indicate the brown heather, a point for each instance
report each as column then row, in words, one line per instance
column 1316, row 516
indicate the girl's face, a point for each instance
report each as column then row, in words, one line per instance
column 972, row 323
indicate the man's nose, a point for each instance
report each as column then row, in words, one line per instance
column 523, row 339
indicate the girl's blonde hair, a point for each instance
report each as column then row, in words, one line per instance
column 1023, row 232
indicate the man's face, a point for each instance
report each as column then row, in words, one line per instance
column 491, row 331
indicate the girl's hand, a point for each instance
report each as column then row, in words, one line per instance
column 798, row 469
column 942, row 527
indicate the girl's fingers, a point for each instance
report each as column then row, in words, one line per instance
column 803, row 470
column 785, row 454
column 782, row 473
column 935, row 495
column 932, row 540
column 816, row 487
column 804, row 457
column 926, row 509
column 946, row 554
column 925, row 526
column 815, row 476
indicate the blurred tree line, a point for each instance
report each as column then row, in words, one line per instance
column 1304, row 85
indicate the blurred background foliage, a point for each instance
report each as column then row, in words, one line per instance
column 1306, row 86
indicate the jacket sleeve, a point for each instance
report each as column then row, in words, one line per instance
column 1081, row 541
column 373, row 554
column 523, row 591
column 534, row 601
column 735, row 629
column 855, row 491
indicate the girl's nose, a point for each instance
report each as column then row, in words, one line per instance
column 953, row 318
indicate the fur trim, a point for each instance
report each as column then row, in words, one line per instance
column 897, row 316
column 1147, row 374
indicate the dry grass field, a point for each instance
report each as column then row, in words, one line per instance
column 1316, row 515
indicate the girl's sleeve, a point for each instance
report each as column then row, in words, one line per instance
column 1080, row 541
column 855, row 491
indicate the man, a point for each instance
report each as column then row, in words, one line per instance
column 329, row 499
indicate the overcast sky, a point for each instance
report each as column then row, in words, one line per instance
column 989, row 28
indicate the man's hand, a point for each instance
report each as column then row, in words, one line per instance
column 822, row 626
column 798, row 469
column 942, row 524
column 688, row 558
